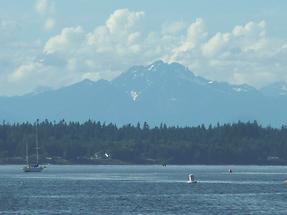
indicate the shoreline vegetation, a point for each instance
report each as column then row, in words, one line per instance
column 119, row 162
column 96, row 143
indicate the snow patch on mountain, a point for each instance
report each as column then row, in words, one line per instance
column 134, row 94
column 238, row 89
column 150, row 67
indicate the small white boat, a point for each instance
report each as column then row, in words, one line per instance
column 191, row 179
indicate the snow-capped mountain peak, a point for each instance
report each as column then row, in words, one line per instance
column 159, row 92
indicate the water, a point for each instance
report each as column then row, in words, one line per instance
column 144, row 190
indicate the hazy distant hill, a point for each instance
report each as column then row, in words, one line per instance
column 155, row 93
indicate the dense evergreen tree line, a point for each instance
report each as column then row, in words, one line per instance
column 237, row 143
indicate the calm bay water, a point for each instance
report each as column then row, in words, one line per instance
column 143, row 190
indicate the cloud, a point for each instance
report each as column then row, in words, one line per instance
column 195, row 34
column 67, row 42
column 123, row 20
column 120, row 34
column 215, row 44
column 49, row 24
column 44, row 7
column 36, row 74
column 244, row 54
column 174, row 27
column 103, row 52
column 25, row 71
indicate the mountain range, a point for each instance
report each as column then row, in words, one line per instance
column 156, row 93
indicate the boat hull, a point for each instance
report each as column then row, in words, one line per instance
column 33, row 169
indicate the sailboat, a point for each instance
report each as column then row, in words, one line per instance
column 33, row 167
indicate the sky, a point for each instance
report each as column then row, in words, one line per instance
column 54, row 43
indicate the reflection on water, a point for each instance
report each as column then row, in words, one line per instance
column 143, row 190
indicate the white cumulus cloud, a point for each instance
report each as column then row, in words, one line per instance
column 66, row 42
column 243, row 54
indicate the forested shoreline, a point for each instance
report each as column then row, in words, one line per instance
column 94, row 142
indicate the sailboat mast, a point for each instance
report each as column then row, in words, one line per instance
column 37, row 147
column 27, row 156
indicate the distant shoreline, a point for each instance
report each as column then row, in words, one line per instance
column 119, row 162
column 94, row 142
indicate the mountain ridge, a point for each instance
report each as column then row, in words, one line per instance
column 156, row 93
